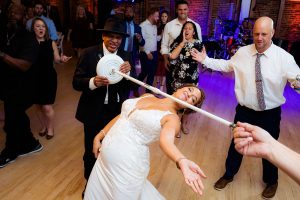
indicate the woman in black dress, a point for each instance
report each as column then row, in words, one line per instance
column 46, row 77
column 80, row 32
column 160, row 75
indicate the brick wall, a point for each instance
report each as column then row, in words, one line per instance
column 289, row 29
column 199, row 12
column 268, row 8
column 290, row 23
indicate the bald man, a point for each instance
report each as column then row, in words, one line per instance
column 261, row 72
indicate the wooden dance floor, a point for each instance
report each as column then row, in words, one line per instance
column 56, row 173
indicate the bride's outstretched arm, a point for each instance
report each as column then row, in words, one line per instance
column 190, row 170
column 99, row 137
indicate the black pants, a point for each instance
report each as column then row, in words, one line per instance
column 148, row 68
column 169, row 80
column 19, row 137
column 91, row 130
column 268, row 120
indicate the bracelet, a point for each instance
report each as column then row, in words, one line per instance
column 178, row 160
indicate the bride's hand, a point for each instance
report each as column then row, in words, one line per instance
column 192, row 175
column 96, row 146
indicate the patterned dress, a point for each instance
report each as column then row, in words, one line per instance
column 186, row 69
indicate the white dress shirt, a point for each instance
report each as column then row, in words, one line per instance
column 172, row 31
column 149, row 32
column 92, row 86
column 277, row 67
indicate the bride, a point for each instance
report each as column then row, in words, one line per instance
column 122, row 166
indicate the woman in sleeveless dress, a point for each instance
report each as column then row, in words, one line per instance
column 122, row 167
column 160, row 76
column 46, row 77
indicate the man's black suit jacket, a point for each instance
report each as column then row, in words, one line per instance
column 54, row 15
column 136, row 43
column 91, row 102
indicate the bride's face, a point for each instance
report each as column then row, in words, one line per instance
column 191, row 95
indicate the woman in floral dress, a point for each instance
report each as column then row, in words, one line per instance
column 186, row 70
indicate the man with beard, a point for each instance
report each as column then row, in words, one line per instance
column 18, row 51
column 171, row 32
column 39, row 12
column 134, row 41
column 149, row 54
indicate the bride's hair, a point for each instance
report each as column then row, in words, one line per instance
column 197, row 104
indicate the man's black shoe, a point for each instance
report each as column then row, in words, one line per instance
column 6, row 159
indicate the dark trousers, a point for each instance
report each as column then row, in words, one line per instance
column 268, row 120
column 169, row 80
column 148, row 68
column 91, row 130
column 17, row 127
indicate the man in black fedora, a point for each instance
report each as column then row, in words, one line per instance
column 100, row 102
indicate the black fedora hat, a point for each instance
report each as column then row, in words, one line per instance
column 114, row 25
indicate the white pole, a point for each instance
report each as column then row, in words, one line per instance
column 157, row 91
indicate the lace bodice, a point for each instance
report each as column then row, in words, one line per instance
column 124, row 161
column 141, row 126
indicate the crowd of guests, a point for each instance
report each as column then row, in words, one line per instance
column 168, row 50
column 28, row 53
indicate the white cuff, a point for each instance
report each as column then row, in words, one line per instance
column 92, row 86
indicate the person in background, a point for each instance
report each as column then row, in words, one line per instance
column 261, row 72
column 52, row 12
column 45, row 73
column 39, row 9
column 171, row 32
column 18, row 53
column 134, row 42
column 254, row 141
column 123, row 163
column 160, row 75
column 29, row 13
column 100, row 102
column 148, row 54
column 80, row 32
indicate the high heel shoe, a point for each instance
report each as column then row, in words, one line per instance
column 49, row 137
column 43, row 133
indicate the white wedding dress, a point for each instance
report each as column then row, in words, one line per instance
column 121, row 170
